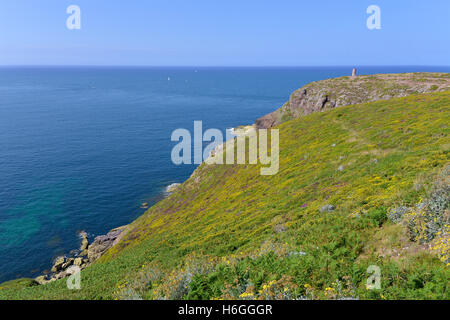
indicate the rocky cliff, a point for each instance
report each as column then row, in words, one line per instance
column 338, row 92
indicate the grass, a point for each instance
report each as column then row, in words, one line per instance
column 229, row 232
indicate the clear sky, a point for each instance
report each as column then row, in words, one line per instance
column 225, row 33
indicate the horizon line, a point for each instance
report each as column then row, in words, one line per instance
column 221, row 66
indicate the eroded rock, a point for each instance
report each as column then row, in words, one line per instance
column 41, row 279
column 332, row 93
column 67, row 263
column 102, row 243
column 84, row 241
column 58, row 265
column 171, row 188
column 78, row 262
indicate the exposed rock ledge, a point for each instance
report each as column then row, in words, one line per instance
column 333, row 93
column 171, row 188
column 88, row 253
column 102, row 243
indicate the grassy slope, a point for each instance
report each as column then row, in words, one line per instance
column 228, row 229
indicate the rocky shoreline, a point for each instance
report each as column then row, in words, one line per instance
column 90, row 252
column 87, row 254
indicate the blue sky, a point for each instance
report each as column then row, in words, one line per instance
column 225, row 33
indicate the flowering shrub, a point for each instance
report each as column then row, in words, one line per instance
column 396, row 214
column 441, row 245
column 138, row 286
column 429, row 220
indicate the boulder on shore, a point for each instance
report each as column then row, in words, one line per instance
column 171, row 188
column 78, row 262
column 67, row 263
column 58, row 265
column 41, row 279
column 84, row 241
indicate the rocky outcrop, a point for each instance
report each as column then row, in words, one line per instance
column 41, row 279
column 332, row 93
column 171, row 188
column 84, row 243
column 102, row 243
column 79, row 261
column 60, row 268
column 85, row 256
column 57, row 266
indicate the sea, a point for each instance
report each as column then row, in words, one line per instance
column 82, row 148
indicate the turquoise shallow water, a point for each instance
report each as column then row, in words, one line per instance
column 82, row 148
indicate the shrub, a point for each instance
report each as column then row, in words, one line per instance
column 377, row 215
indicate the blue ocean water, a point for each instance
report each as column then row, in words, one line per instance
column 82, row 147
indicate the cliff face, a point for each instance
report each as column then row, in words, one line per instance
column 331, row 93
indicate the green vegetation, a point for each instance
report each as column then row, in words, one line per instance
column 18, row 284
column 229, row 232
